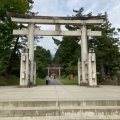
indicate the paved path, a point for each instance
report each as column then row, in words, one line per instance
column 55, row 82
column 59, row 92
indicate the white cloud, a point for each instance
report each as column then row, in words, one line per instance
column 65, row 7
column 48, row 43
column 114, row 15
column 49, row 7
column 72, row 3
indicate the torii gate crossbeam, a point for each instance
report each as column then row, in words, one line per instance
column 58, row 20
column 56, row 33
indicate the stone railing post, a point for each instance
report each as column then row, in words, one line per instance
column 34, row 82
column 79, row 72
column 92, row 77
column 24, row 68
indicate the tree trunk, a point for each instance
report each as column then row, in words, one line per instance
column 9, row 69
column 102, row 71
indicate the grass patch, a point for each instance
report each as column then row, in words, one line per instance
column 66, row 81
column 40, row 81
column 108, row 82
column 13, row 80
column 9, row 80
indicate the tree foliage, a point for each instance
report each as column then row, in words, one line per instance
column 9, row 44
column 43, row 59
column 69, row 50
column 106, row 47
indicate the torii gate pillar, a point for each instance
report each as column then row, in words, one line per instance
column 31, row 28
column 84, row 52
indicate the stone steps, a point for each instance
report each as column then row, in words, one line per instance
column 60, row 110
column 60, row 103
column 99, row 117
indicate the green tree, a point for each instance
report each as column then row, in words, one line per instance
column 43, row 59
column 69, row 50
column 106, row 47
column 9, row 44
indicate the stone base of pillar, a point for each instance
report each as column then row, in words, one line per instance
column 26, row 86
column 84, row 84
column 23, row 86
column 94, row 86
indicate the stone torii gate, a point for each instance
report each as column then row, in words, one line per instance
column 56, row 69
column 27, row 58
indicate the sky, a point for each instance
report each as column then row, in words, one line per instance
column 65, row 8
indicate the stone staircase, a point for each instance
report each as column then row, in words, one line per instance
column 60, row 110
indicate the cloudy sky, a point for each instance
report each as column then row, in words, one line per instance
column 65, row 7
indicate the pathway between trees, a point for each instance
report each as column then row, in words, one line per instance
column 55, row 82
